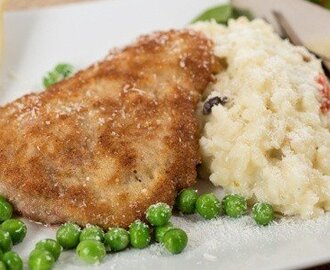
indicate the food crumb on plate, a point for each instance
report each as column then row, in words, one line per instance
column 209, row 257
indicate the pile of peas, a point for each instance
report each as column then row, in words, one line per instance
column 92, row 243
column 209, row 206
column 12, row 232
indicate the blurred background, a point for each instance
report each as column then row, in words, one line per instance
column 24, row 4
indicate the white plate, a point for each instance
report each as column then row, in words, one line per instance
column 83, row 33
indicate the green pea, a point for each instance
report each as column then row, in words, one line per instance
column 161, row 230
column 234, row 205
column 92, row 232
column 5, row 241
column 116, row 239
column 139, row 234
column 91, row 251
column 68, row 235
column 2, row 198
column 2, row 266
column 16, row 228
column 208, row 206
column 60, row 72
column 186, row 201
column 175, row 240
column 263, row 213
column 12, row 261
column 323, row 3
column 158, row 214
column 51, row 78
column 52, row 246
column 41, row 259
column 6, row 210
column 64, row 69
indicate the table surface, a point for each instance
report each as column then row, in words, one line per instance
column 26, row 4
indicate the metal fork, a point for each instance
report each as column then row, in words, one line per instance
column 289, row 33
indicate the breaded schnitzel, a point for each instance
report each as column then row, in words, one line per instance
column 103, row 145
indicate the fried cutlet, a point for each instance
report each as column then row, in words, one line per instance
column 103, row 145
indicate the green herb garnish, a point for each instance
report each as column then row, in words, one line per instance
column 221, row 14
column 60, row 72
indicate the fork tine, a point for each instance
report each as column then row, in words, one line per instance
column 289, row 33
column 286, row 28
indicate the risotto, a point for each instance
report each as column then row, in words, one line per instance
column 267, row 135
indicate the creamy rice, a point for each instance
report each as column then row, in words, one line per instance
column 270, row 142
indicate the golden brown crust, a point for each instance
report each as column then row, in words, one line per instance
column 103, row 145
